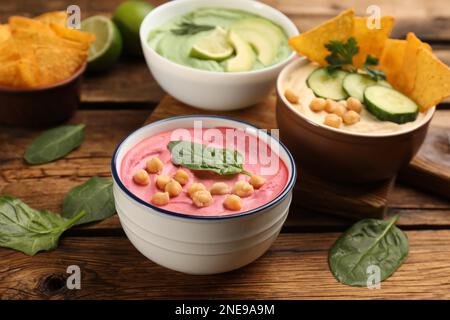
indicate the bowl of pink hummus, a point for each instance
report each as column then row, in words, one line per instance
column 202, row 194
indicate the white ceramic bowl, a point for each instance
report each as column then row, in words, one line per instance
column 197, row 244
column 207, row 89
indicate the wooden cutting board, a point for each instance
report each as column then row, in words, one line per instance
column 430, row 169
column 310, row 192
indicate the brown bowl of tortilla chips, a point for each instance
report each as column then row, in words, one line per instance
column 41, row 66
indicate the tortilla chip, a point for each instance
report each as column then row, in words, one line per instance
column 57, row 63
column 85, row 38
column 18, row 23
column 391, row 59
column 41, row 51
column 432, row 82
column 407, row 75
column 29, row 72
column 29, row 39
column 5, row 32
column 370, row 41
column 9, row 51
column 17, row 74
column 311, row 43
column 55, row 17
column 8, row 74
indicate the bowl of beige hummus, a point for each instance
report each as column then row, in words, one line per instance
column 346, row 138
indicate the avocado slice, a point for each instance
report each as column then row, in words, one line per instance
column 267, row 29
column 245, row 56
column 267, row 52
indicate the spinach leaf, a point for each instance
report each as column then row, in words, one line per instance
column 369, row 242
column 28, row 230
column 54, row 144
column 196, row 156
column 95, row 197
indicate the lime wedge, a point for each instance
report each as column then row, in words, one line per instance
column 107, row 47
column 214, row 46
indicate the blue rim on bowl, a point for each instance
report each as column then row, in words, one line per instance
column 288, row 187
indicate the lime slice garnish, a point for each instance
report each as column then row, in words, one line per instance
column 106, row 49
column 214, row 46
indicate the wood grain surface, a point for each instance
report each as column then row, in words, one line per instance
column 295, row 268
column 430, row 169
column 117, row 102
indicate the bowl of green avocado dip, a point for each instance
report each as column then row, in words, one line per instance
column 217, row 54
column 221, row 40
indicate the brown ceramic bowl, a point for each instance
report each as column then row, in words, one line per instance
column 341, row 155
column 41, row 106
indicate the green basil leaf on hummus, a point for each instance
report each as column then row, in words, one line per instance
column 95, row 197
column 196, row 156
column 29, row 230
column 367, row 244
column 54, row 144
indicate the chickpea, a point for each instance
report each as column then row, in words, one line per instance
column 160, row 198
column 202, row 198
column 340, row 110
column 354, row 104
column 181, row 176
column 317, row 104
column 219, row 188
column 343, row 103
column 193, row 188
column 233, row 202
column 257, row 181
column 330, row 106
column 333, row 120
column 291, row 96
column 243, row 189
column 173, row 188
column 141, row 177
column 351, row 117
column 161, row 182
column 154, row 165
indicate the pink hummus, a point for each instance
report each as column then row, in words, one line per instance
column 156, row 145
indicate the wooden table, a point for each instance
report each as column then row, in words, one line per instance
column 118, row 102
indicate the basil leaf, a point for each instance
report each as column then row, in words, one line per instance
column 54, row 144
column 95, row 197
column 196, row 156
column 369, row 242
column 28, row 230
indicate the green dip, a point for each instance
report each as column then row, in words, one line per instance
column 254, row 42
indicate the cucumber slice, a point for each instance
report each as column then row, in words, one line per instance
column 355, row 84
column 327, row 85
column 388, row 104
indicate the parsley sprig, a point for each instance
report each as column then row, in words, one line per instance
column 341, row 58
column 341, row 54
column 190, row 28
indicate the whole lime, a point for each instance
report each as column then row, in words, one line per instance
column 128, row 18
